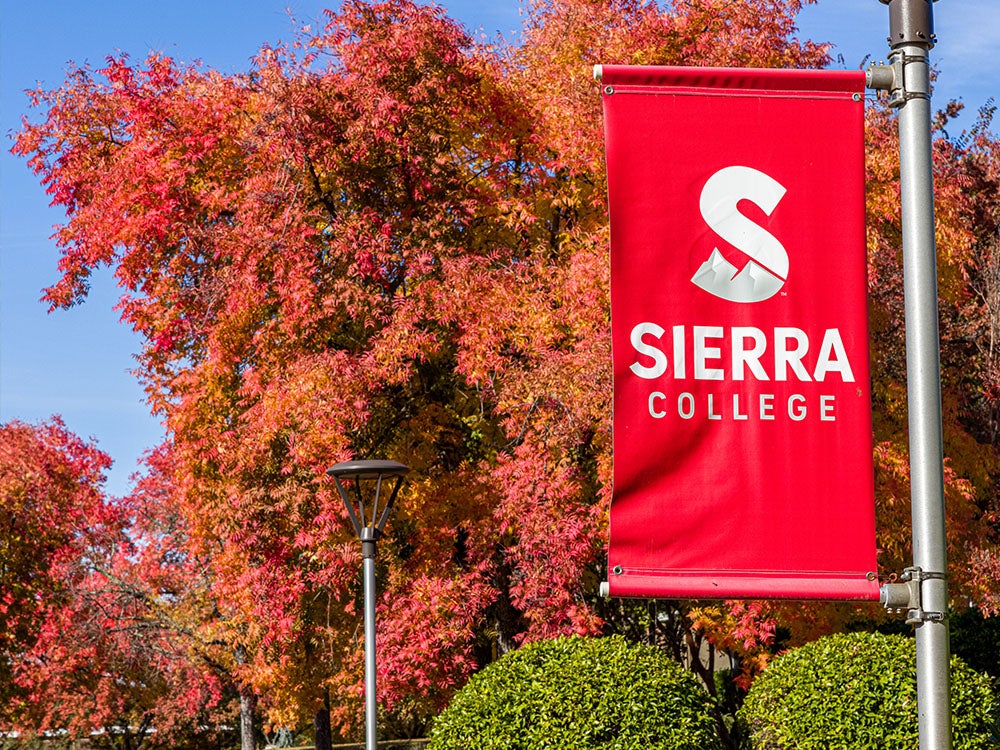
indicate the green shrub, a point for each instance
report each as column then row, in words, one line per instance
column 578, row 694
column 858, row 691
column 976, row 640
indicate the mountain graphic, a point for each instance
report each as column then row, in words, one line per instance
column 720, row 278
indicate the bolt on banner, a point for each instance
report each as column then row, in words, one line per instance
column 742, row 405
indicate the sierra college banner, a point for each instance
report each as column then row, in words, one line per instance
column 742, row 407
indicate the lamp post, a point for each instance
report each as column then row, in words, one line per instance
column 368, row 519
column 925, row 595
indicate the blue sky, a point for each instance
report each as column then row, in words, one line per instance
column 77, row 362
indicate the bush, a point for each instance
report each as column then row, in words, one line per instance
column 976, row 641
column 578, row 694
column 858, row 691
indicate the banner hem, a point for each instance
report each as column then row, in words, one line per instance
column 729, row 585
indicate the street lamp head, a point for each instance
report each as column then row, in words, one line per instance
column 368, row 518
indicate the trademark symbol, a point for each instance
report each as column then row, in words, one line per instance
column 784, row 294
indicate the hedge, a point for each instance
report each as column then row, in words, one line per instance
column 579, row 694
column 858, row 691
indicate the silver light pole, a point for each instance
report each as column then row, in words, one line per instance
column 368, row 520
column 924, row 596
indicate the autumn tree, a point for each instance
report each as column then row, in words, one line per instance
column 307, row 245
column 965, row 195
column 86, row 646
column 51, row 485
column 104, row 663
column 388, row 241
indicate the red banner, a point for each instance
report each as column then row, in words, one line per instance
column 742, row 405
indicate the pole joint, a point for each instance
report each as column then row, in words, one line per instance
column 911, row 22
column 907, row 596
column 368, row 548
column 911, row 35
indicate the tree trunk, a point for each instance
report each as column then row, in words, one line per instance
column 248, row 708
column 322, row 729
column 507, row 619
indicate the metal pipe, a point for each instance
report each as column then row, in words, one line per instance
column 924, row 400
column 371, row 709
column 911, row 37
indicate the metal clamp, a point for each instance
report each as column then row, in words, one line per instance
column 907, row 597
column 882, row 77
column 902, row 87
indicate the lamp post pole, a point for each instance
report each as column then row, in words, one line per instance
column 925, row 596
column 368, row 520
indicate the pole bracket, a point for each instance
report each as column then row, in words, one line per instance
column 881, row 77
column 906, row 596
column 897, row 80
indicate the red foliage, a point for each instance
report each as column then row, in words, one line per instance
column 54, row 509
column 90, row 647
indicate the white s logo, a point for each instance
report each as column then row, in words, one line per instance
column 765, row 274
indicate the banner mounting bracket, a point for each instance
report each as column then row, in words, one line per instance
column 906, row 596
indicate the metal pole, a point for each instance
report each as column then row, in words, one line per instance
column 911, row 37
column 371, row 711
column 368, row 520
